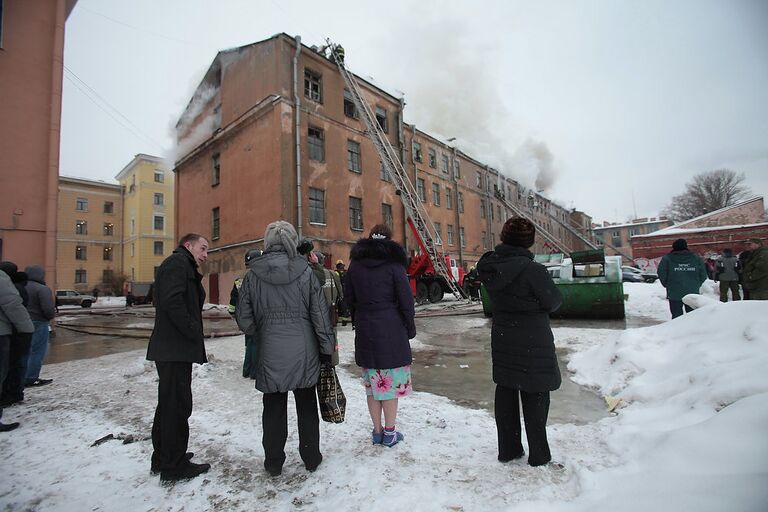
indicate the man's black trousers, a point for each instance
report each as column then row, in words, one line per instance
column 170, row 430
column 275, row 424
column 535, row 412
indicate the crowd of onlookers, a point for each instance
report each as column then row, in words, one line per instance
column 26, row 308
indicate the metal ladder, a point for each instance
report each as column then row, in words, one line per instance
column 549, row 237
column 414, row 208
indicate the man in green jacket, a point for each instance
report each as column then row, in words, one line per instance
column 681, row 272
column 756, row 270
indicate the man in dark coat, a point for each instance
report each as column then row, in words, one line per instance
column 522, row 346
column 681, row 272
column 20, row 343
column 177, row 342
column 41, row 309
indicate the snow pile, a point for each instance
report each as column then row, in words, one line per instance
column 697, row 414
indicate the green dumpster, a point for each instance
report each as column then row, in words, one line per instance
column 589, row 282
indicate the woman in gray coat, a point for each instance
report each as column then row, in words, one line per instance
column 283, row 307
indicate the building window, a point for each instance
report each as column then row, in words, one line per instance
column 482, row 208
column 313, row 85
column 133, row 250
column 353, row 156
column 109, row 207
column 417, row 152
column 215, row 223
column 462, row 240
column 81, row 204
column 159, row 222
column 81, row 252
column 107, row 276
column 436, row 194
column 316, row 144
column 384, row 174
column 381, row 118
column 349, row 105
column 316, row 206
column 479, row 180
column 432, row 158
column 460, row 201
column 438, row 233
column 448, row 198
column 80, row 276
column 616, row 238
column 599, row 241
column 444, row 164
column 456, row 169
column 109, row 229
column 159, row 176
column 107, row 253
column 158, row 248
column 449, row 234
column 498, row 211
column 133, row 226
column 215, row 169
column 386, row 214
column 632, row 232
column 355, row 213
column 420, row 189
column 81, row 227
column 158, row 199
column 484, row 236
column 490, row 211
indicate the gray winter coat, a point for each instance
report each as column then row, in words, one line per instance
column 12, row 310
column 40, row 298
column 282, row 305
column 728, row 268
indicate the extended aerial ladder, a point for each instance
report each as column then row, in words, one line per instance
column 416, row 212
column 540, row 229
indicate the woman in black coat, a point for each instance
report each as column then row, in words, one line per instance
column 381, row 303
column 522, row 346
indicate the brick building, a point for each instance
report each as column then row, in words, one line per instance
column 708, row 234
column 270, row 133
column 89, row 235
column 31, row 67
column 616, row 237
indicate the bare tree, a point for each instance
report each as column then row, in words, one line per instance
column 707, row 192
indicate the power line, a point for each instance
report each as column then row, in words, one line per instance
column 150, row 32
column 90, row 92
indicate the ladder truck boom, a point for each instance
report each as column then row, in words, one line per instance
column 418, row 218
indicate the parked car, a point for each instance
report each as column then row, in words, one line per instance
column 74, row 298
column 629, row 274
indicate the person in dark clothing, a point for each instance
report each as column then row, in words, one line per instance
column 20, row 343
column 525, row 367
column 14, row 318
column 756, row 270
column 177, row 342
column 681, row 272
column 41, row 309
column 380, row 301
column 743, row 259
column 728, row 272
column 283, row 307
column 249, row 360
column 341, row 306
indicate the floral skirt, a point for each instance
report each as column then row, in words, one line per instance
column 388, row 383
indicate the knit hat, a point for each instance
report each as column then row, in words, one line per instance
column 679, row 245
column 281, row 236
column 518, row 231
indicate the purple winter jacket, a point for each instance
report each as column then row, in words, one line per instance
column 380, row 299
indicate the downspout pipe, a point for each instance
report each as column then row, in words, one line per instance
column 456, row 205
column 401, row 140
column 297, row 130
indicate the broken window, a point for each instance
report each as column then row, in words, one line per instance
column 438, row 234
column 215, row 170
column 316, row 206
column 432, row 158
column 313, row 85
column 448, row 198
column 355, row 213
column 381, row 118
column 417, row 151
column 354, row 162
column 482, row 208
column 384, row 174
column 316, row 144
column 349, row 105
column 456, row 169
column 460, row 202
column 420, row 189
column 444, row 164
column 479, row 180
column 386, row 214
column 462, row 240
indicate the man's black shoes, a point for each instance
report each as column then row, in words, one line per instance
column 187, row 457
column 7, row 427
column 190, row 470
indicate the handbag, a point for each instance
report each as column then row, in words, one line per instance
column 333, row 403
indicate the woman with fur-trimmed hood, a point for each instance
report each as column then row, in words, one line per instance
column 381, row 303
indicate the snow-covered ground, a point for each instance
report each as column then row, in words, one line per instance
column 689, row 433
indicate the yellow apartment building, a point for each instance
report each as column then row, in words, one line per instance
column 89, row 234
column 148, row 223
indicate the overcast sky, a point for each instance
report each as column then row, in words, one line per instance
column 613, row 105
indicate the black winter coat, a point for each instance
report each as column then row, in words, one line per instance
column 523, row 294
column 380, row 300
column 179, row 298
